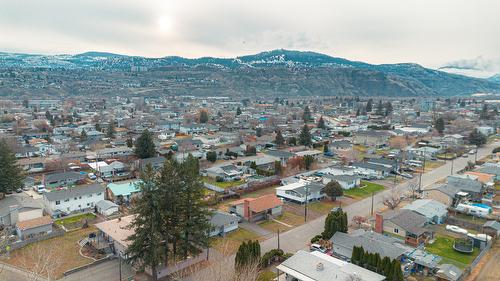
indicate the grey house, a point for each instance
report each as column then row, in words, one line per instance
column 16, row 208
column 222, row 223
column 62, row 179
column 34, row 227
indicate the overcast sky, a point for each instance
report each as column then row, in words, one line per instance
column 429, row 32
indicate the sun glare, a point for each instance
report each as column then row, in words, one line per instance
column 164, row 24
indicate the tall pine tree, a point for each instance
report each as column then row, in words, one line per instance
column 305, row 136
column 144, row 146
column 11, row 175
column 147, row 247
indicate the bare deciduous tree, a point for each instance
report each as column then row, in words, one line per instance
column 41, row 264
column 392, row 200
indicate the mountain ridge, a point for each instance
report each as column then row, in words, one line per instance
column 280, row 70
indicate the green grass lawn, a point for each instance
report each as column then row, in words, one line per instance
column 323, row 206
column 75, row 219
column 443, row 246
column 266, row 275
column 287, row 218
column 366, row 189
column 497, row 186
column 224, row 184
column 230, row 243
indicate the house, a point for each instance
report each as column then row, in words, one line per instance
column 112, row 237
column 449, row 272
column 17, row 208
column 114, row 171
column 434, row 211
column 222, row 223
column 486, row 130
column 34, row 227
column 452, row 140
column 490, row 168
column 62, row 179
column 444, row 193
column 345, row 181
column 75, row 199
column 406, row 224
column 301, row 191
column 281, row 155
column 226, row 172
column 464, row 183
column 123, row 191
column 369, row 170
column 114, row 152
column 33, row 165
column 392, row 164
column 106, row 208
column 492, row 228
column 155, row 162
column 371, row 138
column 255, row 209
column 340, row 145
column 313, row 153
column 372, row 242
column 316, row 266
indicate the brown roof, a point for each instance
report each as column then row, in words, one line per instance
column 29, row 224
column 265, row 202
column 118, row 229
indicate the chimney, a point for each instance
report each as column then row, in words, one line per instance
column 379, row 223
column 246, row 209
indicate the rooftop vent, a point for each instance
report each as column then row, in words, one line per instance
column 319, row 266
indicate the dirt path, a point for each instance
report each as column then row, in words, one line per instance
column 488, row 268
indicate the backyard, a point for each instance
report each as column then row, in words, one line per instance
column 366, row 189
column 443, row 246
column 75, row 221
column 59, row 253
column 223, row 184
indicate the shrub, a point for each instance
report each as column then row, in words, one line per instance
column 316, row 238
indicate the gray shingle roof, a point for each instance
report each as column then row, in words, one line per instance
column 220, row 219
column 371, row 242
column 62, row 194
column 408, row 220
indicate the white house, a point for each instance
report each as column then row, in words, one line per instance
column 296, row 191
column 345, row 181
column 75, row 199
column 222, row 223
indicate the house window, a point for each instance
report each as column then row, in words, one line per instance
column 396, row 230
column 88, row 204
column 58, row 202
column 76, row 198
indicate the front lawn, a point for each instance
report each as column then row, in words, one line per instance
column 230, row 243
column 323, row 206
column 288, row 218
column 75, row 219
column 443, row 246
column 266, row 275
column 223, row 184
column 61, row 253
column 366, row 189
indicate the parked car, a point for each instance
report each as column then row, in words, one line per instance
column 40, row 189
column 465, row 155
column 19, row 190
column 92, row 176
column 456, row 229
column 317, row 247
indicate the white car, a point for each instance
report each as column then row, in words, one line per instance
column 317, row 247
column 456, row 229
column 92, row 176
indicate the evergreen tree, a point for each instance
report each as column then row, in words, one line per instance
column 279, row 140
column 308, row 161
column 386, row 266
column 439, row 125
column 388, row 108
column 238, row 111
column 355, row 255
column 321, row 123
column 147, row 247
column 397, row 273
column 484, row 112
column 278, row 169
column 211, row 156
column 247, row 255
column 369, row 106
column 325, row 148
column 361, row 256
column 258, row 132
column 380, row 108
column 333, row 190
column 110, row 133
column 358, row 112
column 11, row 175
column 378, row 262
column 144, row 146
column 306, row 115
column 83, row 135
column 477, row 138
column 194, row 214
column 98, row 127
column 203, row 116
column 292, row 141
column 130, row 142
column 305, row 136
column 335, row 221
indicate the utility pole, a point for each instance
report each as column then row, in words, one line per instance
column 305, row 206
column 278, row 238
column 371, row 212
column 451, row 165
column 120, row 265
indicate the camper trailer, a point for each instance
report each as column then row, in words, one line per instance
column 477, row 210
